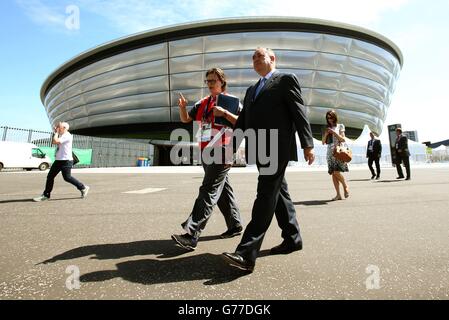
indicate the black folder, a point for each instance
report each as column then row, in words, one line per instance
column 231, row 104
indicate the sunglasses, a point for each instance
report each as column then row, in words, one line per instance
column 210, row 81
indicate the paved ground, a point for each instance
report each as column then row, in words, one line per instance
column 120, row 242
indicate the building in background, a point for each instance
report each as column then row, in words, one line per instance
column 412, row 135
column 128, row 88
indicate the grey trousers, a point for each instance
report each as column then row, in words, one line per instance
column 215, row 190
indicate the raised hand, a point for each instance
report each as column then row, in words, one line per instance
column 182, row 101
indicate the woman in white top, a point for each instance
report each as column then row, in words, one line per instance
column 335, row 133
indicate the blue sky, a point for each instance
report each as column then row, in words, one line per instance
column 35, row 41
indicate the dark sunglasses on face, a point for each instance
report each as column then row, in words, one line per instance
column 210, row 81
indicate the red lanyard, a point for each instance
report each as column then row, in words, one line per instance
column 208, row 109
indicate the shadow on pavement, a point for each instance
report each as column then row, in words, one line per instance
column 312, row 203
column 31, row 200
column 16, row 200
column 389, row 181
column 163, row 248
column 360, row 180
column 209, row 238
column 209, row 267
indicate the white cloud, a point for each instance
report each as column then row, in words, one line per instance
column 42, row 14
column 420, row 101
column 135, row 15
column 349, row 11
column 131, row 16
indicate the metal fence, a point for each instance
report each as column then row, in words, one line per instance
column 106, row 152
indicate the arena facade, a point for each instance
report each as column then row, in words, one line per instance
column 128, row 88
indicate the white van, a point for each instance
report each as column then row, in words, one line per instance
column 22, row 155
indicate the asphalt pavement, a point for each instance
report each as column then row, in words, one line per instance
column 388, row 240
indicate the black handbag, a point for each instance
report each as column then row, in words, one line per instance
column 75, row 158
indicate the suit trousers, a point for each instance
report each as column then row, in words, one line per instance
column 376, row 160
column 215, row 190
column 406, row 161
column 272, row 198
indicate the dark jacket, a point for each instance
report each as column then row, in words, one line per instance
column 402, row 147
column 279, row 105
column 377, row 149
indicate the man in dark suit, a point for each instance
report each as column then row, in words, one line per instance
column 373, row 153
column 273, row 103
column 402, row 154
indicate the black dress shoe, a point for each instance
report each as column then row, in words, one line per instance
column 239, row 262
column 408, row 178
column 285, row 248
column 232, row 232
column 373, row 176
column 185, row 241
column 400, row 177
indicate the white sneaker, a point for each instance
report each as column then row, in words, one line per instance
column 41, row 198
column 85, row 191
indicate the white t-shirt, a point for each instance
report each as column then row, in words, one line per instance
column 64, row 149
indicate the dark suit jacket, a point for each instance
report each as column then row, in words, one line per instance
column 279, row 105
column 377, row 149
column 403, row 146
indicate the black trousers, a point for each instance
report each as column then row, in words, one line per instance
column 215, row 190
column 272, row 199
column 376, row 160
column 406, row 161
column 64, row 166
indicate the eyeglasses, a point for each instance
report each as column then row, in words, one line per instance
column 210, row 81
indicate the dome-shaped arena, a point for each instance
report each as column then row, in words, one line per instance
column 129, row 87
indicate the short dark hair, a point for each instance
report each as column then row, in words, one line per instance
column 220, row 75
column 333, row 115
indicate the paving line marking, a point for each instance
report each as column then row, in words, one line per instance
column 147, row 190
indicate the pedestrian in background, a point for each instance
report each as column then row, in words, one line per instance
column 373, row 153
column 335, row 134
column 402, row 154
column 63, row 162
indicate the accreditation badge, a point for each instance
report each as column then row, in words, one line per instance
column 206, row 131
